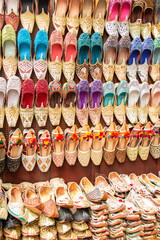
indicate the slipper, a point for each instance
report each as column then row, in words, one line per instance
column 55, row 99
column 27, row 101
column 72, row 19
column 40, row 50
column 110, row 144
column 58, row 141
column 83, row 54
column 12, row 13
column 69, row 100
column 51, row 231
column 154, row 102
column 117, row 183
column 27, row 15
column 2, row 15
column 15, row 148
column 99, row 12
column 135, row 51
column 63, row 228
column 9, row 51
column 96, row 93
column 156, row 20
column 2, row 100
column 55, row 58
column 42, row 13
column 44, row 147
column 110, row 53
column 62, row 197
column 108, row 102
column 155, row 142
column 82, row 103
column 154, row 179
column 125, row 10
column 144, row 97
column 29, row 150
column 85, row 142
column 72, row 141
column 156, row 51
column 12, row 104
column 147, row 19
column 85, row 20
column 111, row 27
column 113, row 10
column 145, row 181
column 102, row 184
column 31, row 229
column 70, row 52
column 41, row 102
column 136, row 16
column 133, row 96
column 3, row 149
column 95, row 65
column 45, row 221
column 98, row 141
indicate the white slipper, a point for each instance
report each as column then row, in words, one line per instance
column 2, row 100
column 144, row 95
column 133, row 90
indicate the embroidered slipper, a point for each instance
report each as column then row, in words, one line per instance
column 111, row 27
column 82, row 102
column 153, row 110
column 9, row 51
column 62, row 197
column 144, row 97
column 27, row 15
column 98, row 141
column 145, row 181
column 3, row 149
column 63, row 228
column 147, row 48
column 85, row 142
column 2, row 14
column 113, row 10
column 40, row 51
column 12, row 104
column 83, row 54
column 58, row 18
column 123, row 25
column 154, row 69
column 120, row 101
column 2, row 100
column 72, row 19
column 58, row 141
column 96, row 93
column 99, row 12
column 27, row 101
column 110, row 144
column 3, row 204
column 41, row 102
column 85, row 20
column 70, row 52
column 12, row 13
column 154, row 179
column 30, row 229
column 15, row 148
column 51, row 231
column 29, row 150
column 42, row 13
column 118, row 205
column 110, row 53
column 155, row 142
column 55, row 99
column 133, row 96
column 156, row 20
column 101, row 182
column 117, row 183
column 121, row 148
column 147, row 19
column 45, row 221
column 71, row 144
column 108, row 101
column 146, row 140
column 44, row 147
column 24, row 54
column 135, row 140
column 95, row 63
column 55, row 58
column 69, row 100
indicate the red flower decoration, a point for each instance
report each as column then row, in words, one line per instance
column 120, row 200
column 59, row 137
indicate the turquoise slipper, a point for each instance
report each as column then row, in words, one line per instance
column 83, row 48
column 156, row 51
column 96, row 47
column 41, row 45
column 108, row 94
column 122, row 92
column 24, row 44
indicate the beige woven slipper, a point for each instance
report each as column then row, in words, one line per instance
column 154, row 103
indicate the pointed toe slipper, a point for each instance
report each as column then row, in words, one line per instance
column 144, row 101
column 2, row 100
column 27, row 15
column 12, row 13
column 3, row 149
column 153, row 110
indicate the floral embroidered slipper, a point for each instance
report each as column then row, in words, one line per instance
column 71, row 144
column 62, row 197
column 86, row 16
column 98, row 135
column 82, row 102
column 27, row 101
column 12, row 13
column 9, row 51
column 40, row 51
column 85, row 142
column 44, row 147
column 123, row 25
column 12, row 104
column 27, row 15
column 29, row 150
column 58, row 141
column 147, row 19
column 41, row 102
column 135, row 140
column 2, row 100
column 145, row 181
column 155, row 142
column 15, row 148
column 98, row 16
column 55, row 99
column 24, row 54
column 123, row 140
column 102, row 183
column 109, row 152
column 3, row 149
column 117, row 183
column 154, row 179
column 153, row 110
column 55, row 55
column 69, row 100
column 144, row 97
column 72, row 19
column 146, row 141
column 42, row 13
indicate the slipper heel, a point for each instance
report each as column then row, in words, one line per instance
column 84, row 157
column 96, row 156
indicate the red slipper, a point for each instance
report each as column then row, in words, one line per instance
column 56, row 45
column 41, row 93
column 27, row 93
column 70, row 47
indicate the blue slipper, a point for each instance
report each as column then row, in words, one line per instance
column 108, row 94
column 135, row 51
column 24, row 44
column 96, row 47
column 83, row 48
column 147, row 48
column 122, row 92
column 41, row 45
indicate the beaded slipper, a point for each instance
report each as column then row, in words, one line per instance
column 27, row 15
column 12, row 13
column 29, row 150
column 155, row 142
column 144, row 97
column 72, row 19
column 2, row 100
column 86, row 16
column 48, row 233
column 98, row 16
column 30, row 230
column 42, row 13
